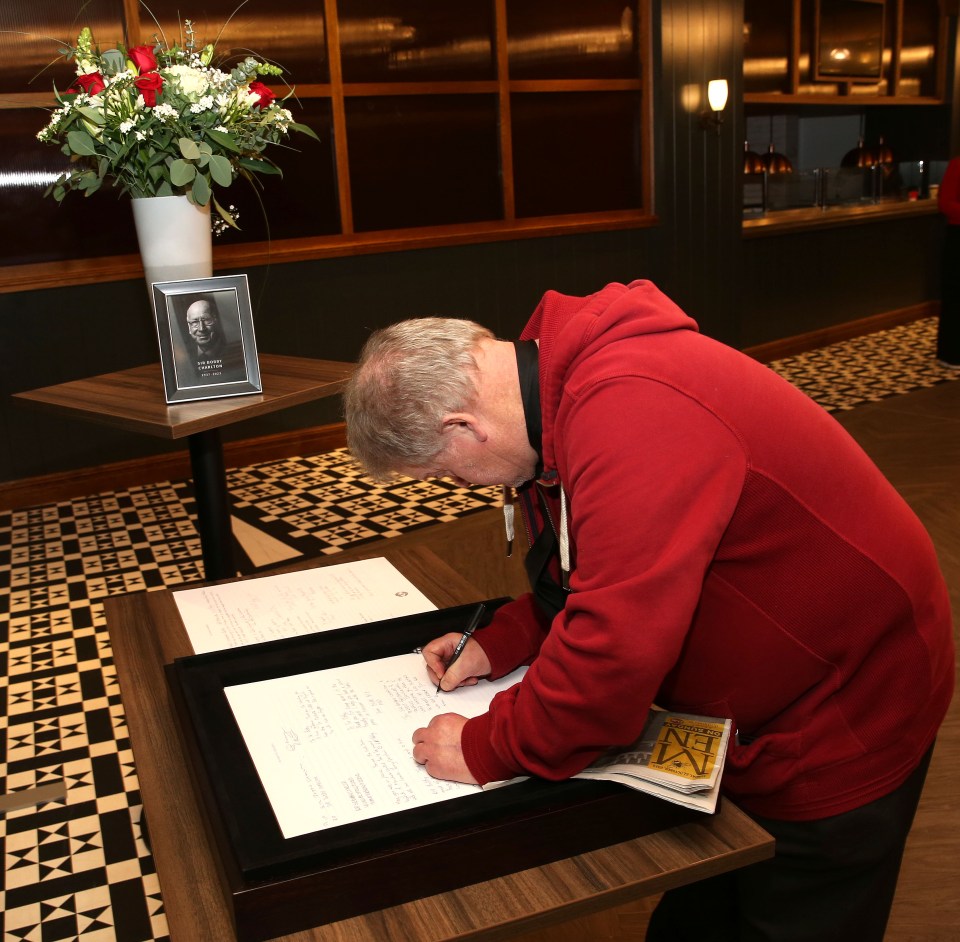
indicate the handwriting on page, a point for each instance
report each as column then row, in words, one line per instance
column 286, row 605
column 334, row 746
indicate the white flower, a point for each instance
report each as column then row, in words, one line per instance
column 203, row 104
column 192, row 82
column 164, row 111
column 126, row 127
column 141, row 135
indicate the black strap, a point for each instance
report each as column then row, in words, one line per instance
column 528, row 370
column 549, row 594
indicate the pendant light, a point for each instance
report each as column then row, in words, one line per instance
column 860, row 156
column 752, row 161
column 774, row 162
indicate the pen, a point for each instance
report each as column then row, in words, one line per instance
column 464, row 638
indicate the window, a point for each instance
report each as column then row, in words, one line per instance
column 439, row 122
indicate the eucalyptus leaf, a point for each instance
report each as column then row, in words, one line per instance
column 201, row 190
column 112, row 61
column 181, row 172
column 81, row 143
column 189, row 149
column 221, row 170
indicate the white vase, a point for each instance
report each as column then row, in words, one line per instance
column 175, row 239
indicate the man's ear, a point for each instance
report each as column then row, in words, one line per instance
column 464, row 423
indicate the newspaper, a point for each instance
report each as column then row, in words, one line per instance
column 679, row 757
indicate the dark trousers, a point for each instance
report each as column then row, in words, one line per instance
column 948, row 327
column 830, row 880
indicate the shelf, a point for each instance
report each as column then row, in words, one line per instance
column 785, row 221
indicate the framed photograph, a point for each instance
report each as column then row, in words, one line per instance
column 207, row 345
column 849, row 40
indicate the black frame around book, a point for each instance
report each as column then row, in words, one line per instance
column 284, row 885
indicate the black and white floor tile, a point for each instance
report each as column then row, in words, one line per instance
column 74, row 861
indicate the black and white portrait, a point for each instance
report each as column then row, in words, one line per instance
column 207, row 348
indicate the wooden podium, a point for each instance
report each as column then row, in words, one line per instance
column 146, row 634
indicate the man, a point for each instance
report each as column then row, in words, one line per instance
column 212, row 359
column 707, row 538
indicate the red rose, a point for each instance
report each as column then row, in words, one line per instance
column 149, row 86
column 266, row 96
column 92, row 83
column 143, row 58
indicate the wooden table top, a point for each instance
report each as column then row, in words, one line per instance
column 134, row 399
column 146, row 632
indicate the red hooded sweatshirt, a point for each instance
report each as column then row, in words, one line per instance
column 733, row 553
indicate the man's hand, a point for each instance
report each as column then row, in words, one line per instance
column 472, row 664
column 437, row 748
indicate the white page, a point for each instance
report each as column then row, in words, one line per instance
column 336, row 746
column 297, row 603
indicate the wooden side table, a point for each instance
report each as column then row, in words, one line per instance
column 134, row 400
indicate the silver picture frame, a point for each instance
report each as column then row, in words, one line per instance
column 207, row 345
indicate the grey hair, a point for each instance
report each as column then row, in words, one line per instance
column 410, row 375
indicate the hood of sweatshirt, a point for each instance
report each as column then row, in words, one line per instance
column 571, row 328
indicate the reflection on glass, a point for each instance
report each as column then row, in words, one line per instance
column 766, row 46
column 576, row 152
column 45, row 230
column 290, row 33
column 416, row 40
column 792, row 191
column 304, row 201
column 32, row 35
column 428, row 160
column 550, row 40
column 918, row 62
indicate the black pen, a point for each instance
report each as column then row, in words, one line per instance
column 464, row 638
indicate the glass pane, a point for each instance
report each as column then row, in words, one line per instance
column 576, row 152
column 424, row 161
column 416, row 40
column 792, row 190
column 550, row 40
column 79, row 227
column 32, row 35
column 301, row 203
column 290, row 33
column 918, row 60
column 766, row 46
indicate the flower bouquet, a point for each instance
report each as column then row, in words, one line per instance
column 162, row 119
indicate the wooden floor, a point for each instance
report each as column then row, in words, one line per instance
column 915, row 439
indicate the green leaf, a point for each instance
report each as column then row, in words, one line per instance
column 181, row 173
column 221, row 170
column 227, row 141
column 165, row 189
column 303, row 129
column 93, row 115
column 189, row 148
column 81, row 143
column 227, row 218
column 201, row 190
column 260, row 166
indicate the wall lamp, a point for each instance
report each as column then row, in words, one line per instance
column 717, row 99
